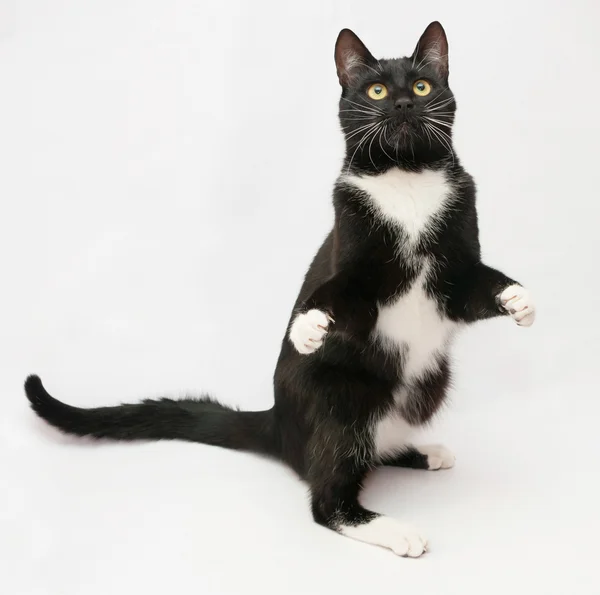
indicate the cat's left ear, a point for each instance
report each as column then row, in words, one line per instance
column 351, row 54
column 432, row 49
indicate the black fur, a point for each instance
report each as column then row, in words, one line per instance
column 411, row 458
column 326, row 403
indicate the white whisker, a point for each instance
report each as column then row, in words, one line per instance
column 361, row 111
column 359, row 119
column 425, row 129
column 363, row 139
column 362, row 128
column 370, row 145
column 363, row 105
column 440, row 136
column 377, row 72
column 441, row 122
column 440, row 104
column 353, row 109
column 382, row 134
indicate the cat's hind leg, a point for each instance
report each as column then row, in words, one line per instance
column 334, row 492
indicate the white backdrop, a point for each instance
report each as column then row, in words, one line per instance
column 158, row 213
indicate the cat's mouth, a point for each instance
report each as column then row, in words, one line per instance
column 403, row 132
column 402, row 127
column 404, row 122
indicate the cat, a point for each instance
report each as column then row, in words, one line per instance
column 364, row 361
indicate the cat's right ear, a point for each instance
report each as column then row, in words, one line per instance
column 350, row 55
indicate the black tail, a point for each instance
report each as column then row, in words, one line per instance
column 198, row 420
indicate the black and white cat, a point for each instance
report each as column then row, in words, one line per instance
column 364, row 360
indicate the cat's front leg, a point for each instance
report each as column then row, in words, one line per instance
column 342, row 301
column 481, row 292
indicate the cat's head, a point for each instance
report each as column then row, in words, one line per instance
column 395, row 111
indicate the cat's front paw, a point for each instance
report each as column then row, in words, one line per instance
column 517, row 301
column 309, row 330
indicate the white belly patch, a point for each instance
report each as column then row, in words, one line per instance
column 414, row 326
column 392, row 434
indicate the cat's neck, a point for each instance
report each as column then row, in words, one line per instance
column 376, row 167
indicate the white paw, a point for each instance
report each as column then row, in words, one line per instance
column 308, row 331
column 517, row 301
column 399, row 537
column 438, row 456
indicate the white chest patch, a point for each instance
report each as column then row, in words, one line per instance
column 409, row 199
column 413, row 325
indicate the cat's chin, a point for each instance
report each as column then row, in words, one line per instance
column 402, row 135
column 408, row 140
column 402, row 127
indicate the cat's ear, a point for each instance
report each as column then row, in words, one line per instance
column 432, row 49
column 351, row 55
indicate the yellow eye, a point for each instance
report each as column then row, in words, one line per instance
column 377, row 91
column 421, row 88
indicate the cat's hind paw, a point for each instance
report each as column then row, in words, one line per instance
column 438, row 456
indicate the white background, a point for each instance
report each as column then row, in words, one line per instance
column 159, row 209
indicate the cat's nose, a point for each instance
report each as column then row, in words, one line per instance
column 404, row 104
